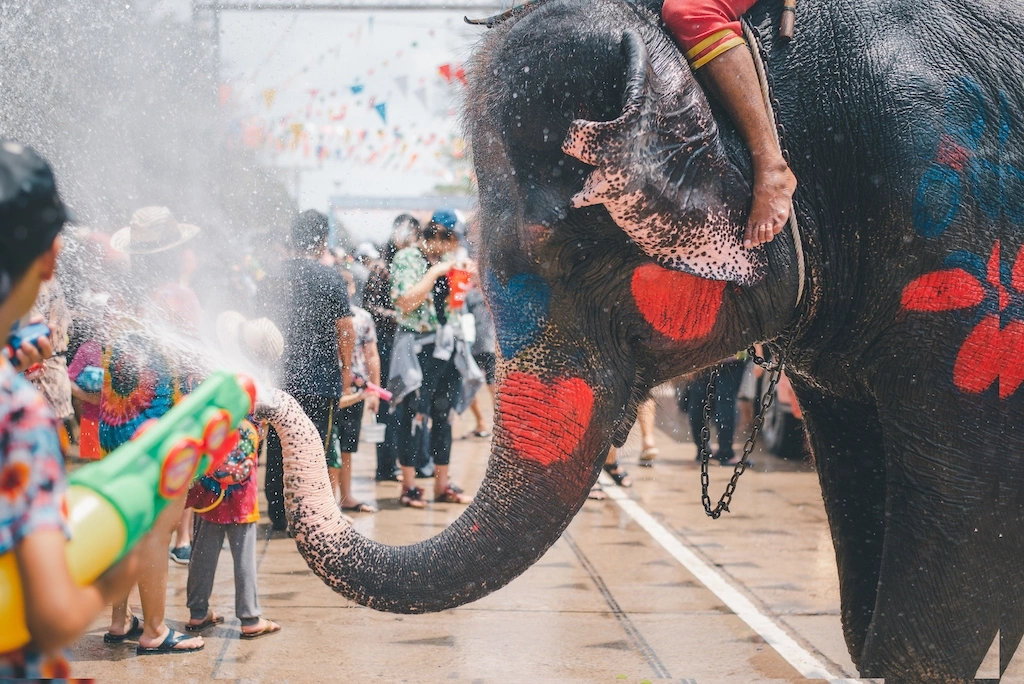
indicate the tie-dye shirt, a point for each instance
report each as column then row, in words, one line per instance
column 235, row 479
column 141, row 379
column 32, row 487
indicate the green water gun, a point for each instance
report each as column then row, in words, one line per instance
column 114, row 502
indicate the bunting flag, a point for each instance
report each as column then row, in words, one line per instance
column 357, row 88
column 403, row 85
column 339, row 115
column 382, row 110
column 446, row 72
column 421, row 95
column 312, row 92
column 268, row 96
column 296, row 129
column 460, row 74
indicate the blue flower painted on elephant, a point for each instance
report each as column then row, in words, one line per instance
column 963, row 165
column 520, row 310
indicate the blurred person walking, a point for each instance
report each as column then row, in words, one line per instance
column 378, row 303
column 484, row 351
column 727, row 385
column 143, row 380
column 309, row 303
column 423, row 373
column 365, row 367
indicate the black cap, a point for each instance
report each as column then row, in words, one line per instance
column 31, row 211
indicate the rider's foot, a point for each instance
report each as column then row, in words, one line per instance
column 774, row 185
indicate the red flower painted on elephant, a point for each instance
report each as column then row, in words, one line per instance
column 991, row 353
column 545, row 421
column 678, row 305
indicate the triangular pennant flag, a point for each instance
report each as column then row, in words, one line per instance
column 403, row 84
column 356, row 89
column 296, row 129
column 313, row 92
column 382, row 109
column 460, row 74
column 446, row 71
column 268, row 96
column 421, row 95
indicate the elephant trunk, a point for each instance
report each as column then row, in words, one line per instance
column 530, row 493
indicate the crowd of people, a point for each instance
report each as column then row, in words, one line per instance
column 125, row 348
column 399, row 336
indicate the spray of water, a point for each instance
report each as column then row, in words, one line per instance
column 123, row 101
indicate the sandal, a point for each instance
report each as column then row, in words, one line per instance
column 172, row 639
column 360, row 507
column 619, row 474
column 597, row 493
column 647, row 456
column 481, row 433
column 134, row 633
column 413, row 498
column 452, row 496
column 270, row 628
column 210, row 621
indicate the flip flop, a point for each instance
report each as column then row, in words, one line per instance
column 271, row 628
column 647, row 456
column 481, row 433
column 597, row 493
column 360, row 507
column 172, row 639
column 134, row 633
column 208, row 622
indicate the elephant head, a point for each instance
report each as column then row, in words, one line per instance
column 610, row 225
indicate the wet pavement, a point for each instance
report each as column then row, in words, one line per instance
column 642, row 587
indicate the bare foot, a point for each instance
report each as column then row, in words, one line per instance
column 773, row 200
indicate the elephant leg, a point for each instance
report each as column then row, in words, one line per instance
column 846, row 439
column 950, row 576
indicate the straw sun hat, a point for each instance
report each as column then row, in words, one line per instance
column 259, row 338
column 151, row 230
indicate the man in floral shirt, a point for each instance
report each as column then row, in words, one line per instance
column 33, row 515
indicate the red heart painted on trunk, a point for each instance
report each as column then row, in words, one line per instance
column 545, row 421
column 678, row 305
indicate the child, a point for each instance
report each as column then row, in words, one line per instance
column 365, row 365
column 33, row 522
column 225, row 505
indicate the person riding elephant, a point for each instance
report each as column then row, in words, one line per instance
column 614, row 197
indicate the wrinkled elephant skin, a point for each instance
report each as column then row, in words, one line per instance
column 606, row 173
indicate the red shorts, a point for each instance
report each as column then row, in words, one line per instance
column 705, row 28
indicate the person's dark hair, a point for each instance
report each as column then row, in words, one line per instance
column 436, row 230
column 388, row 251
column 405, row 223
column 31, row 211
column 309, row 231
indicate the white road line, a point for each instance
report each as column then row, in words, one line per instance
column 806, row 664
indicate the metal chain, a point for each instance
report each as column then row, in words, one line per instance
column 775, row 371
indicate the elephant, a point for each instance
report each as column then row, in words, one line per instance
column 612, row 198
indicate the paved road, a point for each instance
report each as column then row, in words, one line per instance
column 610, row 602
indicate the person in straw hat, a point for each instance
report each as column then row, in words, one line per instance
column 144, row 380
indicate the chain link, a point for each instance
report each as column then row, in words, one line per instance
column 704, row 447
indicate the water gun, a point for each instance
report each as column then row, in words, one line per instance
column 362, row 383
column 114, row 502
column 20, row 335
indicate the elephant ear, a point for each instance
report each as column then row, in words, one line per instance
column 662, row 172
